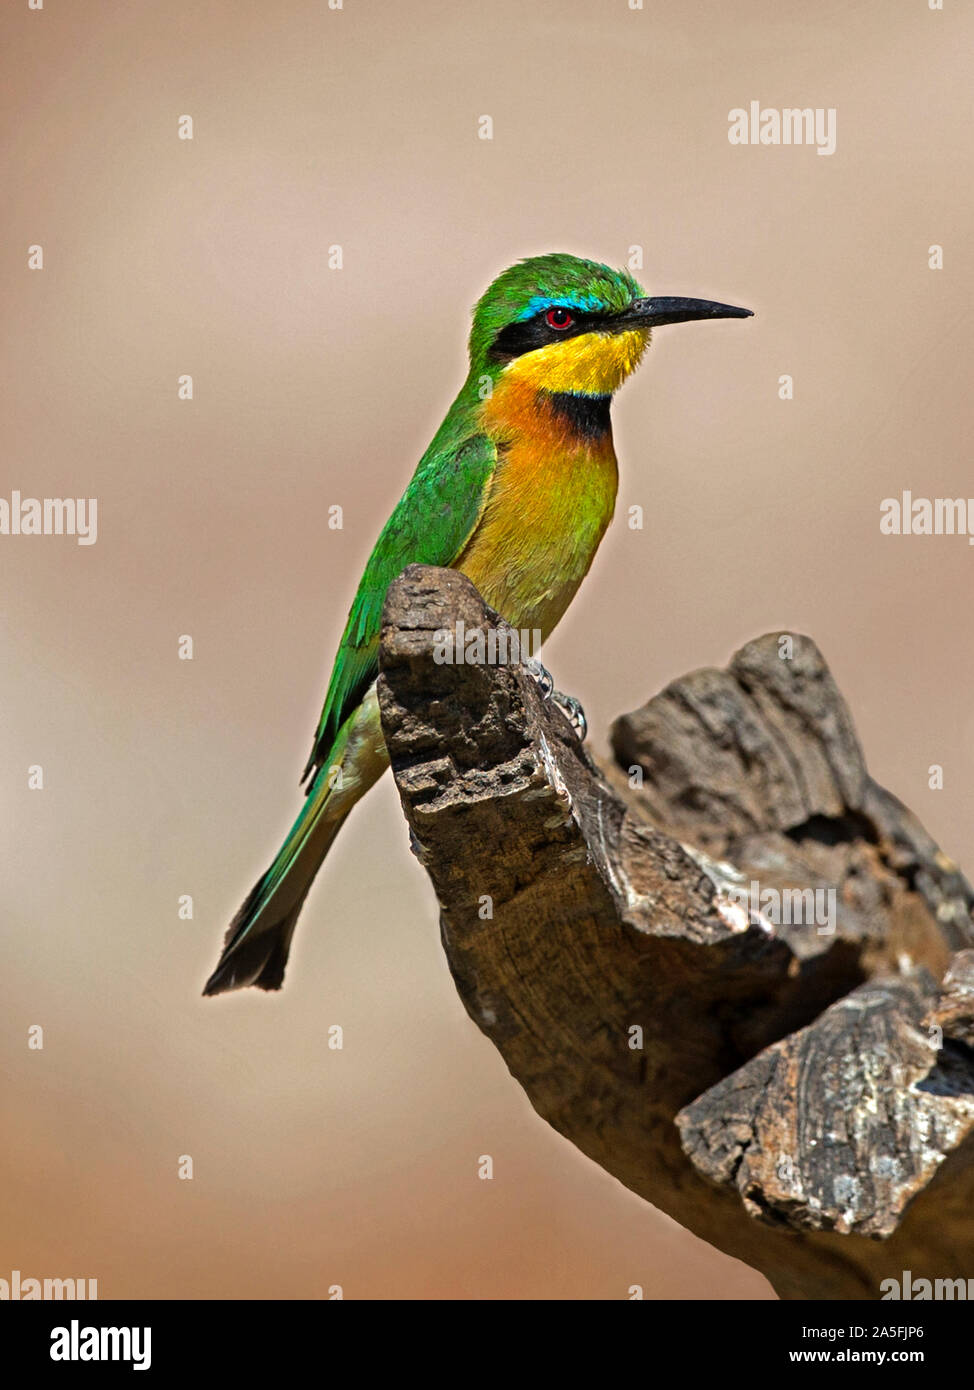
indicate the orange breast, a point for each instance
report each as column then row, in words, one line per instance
column 550, row 501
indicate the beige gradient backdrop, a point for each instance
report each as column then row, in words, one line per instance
column 314, row 387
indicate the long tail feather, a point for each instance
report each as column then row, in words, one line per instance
column 258, row 940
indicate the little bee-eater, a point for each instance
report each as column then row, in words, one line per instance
column 516, row 491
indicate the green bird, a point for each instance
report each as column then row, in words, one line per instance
column 516, row 491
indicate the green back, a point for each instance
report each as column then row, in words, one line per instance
column 430, row 525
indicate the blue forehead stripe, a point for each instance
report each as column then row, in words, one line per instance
column 585, row 303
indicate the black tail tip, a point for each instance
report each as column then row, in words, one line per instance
column 259, row 961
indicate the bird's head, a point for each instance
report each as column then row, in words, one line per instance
column 562, row 324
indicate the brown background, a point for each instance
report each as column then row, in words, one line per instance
column 315, row 387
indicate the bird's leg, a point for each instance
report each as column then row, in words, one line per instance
column 569, row 706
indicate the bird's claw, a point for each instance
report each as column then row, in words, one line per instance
column 540, row 676
column 569, row 706
column 573, row 712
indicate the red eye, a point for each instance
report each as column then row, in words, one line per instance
column 558, row 318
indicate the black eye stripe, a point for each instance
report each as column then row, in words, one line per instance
column 527, row 335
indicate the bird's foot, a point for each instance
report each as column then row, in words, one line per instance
column 541, row 677
column 569, row 706
column 573, row 712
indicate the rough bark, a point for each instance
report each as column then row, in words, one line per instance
column 801, row 1098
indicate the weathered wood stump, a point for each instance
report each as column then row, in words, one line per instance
column 800, row 1093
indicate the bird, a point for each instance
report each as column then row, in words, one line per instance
column 515, row 491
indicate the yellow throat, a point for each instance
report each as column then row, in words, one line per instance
column 591, row 364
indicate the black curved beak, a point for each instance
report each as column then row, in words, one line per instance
column 650, row 313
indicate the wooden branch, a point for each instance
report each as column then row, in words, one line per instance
column 799, row 1093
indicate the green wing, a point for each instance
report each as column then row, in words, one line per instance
column 431, row 524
